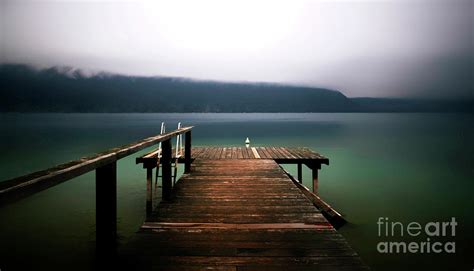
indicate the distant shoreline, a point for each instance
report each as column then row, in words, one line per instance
column 358, row 112
column 23, row 89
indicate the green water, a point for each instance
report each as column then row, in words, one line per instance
column 407, row 167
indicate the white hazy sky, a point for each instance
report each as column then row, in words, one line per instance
column 360, row 47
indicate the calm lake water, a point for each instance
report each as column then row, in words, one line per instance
column 406, row 167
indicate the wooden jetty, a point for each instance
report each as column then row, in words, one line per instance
column 233, row 209
column 237, row 209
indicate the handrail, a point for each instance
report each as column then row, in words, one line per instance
column 105, row 165
column 20, row 187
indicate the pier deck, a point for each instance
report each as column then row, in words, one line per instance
column 279, row 154
column 274, row 153
column 240, row 213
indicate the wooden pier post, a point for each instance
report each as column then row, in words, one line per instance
column 149, row 190
column 106, row 211
column 300, row 173
column 315, row 180
column 314, row 168
column 187, row 152
column 166, row 169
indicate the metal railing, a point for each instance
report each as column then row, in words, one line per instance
column 160, row 156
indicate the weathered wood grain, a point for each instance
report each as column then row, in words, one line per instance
column 280, row 154
column 20, row 187
column 232, row 213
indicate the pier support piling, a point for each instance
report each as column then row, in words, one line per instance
column 149, row 190
column 314, row 169
column 187, row 152
column 106, row 211
column 315, row 181
column 300, row 173
column 166, row 169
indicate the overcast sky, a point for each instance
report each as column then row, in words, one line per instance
column 360, row 47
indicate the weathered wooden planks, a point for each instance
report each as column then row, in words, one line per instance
column 279, row 154
column 239, row 214
column 23, row 186
column 276, row 153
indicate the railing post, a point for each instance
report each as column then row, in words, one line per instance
column 166, row 169
column 187, row 152
column 300, row 173
column 106, row 211
column 149, row 190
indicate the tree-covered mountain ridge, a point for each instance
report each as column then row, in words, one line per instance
column 65, row 89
